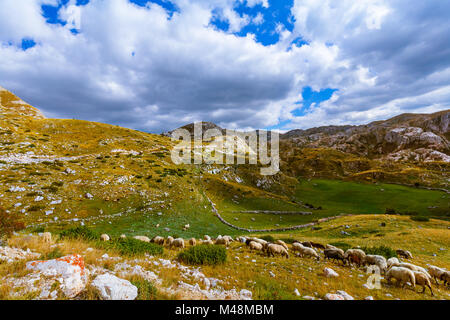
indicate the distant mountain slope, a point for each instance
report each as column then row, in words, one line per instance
column 416, row 137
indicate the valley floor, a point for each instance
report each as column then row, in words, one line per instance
column 245, row 274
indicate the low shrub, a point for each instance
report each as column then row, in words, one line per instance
column 381, row 250
column 420, row 218
column 79, row 233
column 204, row 254
column 146, row 290
column 268, row 238
column 54, row 254
column 132, row 247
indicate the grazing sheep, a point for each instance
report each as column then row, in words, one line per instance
column 123, row 236
column 392, row 261
column 255, row 246
column 402, row 276
column 178, row 243
column 224, row 241
column 187, row 227
column 335, row 254
column 261, row 241
column 317, row 245
column 273, row 249
column 47, row 237
column 206, row 237
column 282, row 243
column 446, row 277
column 423, row 280
column 228, row 238
column 436, row 272
column 169, row 241
column 329, row 246
column 158, row 240
column 404, row 254
column 305, row 251
column 192, row 242
column 105, row 237
column 412, row 267
column 208, row 242
column 355, row 256
column 306, row 244
column 142, row 238
column 377, row 260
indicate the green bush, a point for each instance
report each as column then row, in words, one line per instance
column 146, row 290
column 268, row 238
column 420, row 218
column 79, row 233
column 132, row 247
column 204, row 254
column 381, row 250
column 55, row 254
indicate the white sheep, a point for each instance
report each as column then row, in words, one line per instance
column 282, row 243
column 169, row 241
column 355, row 255
column 206, row 237
column 423, row 280
column 377, row 260
column 193, row 242
column 123, row 236
column 402, row 276
column 255, row 246
column 208, row 242
column 228, row 238
column 273, row 249
column 412, row 267
column 178, row 243
column 392, row 261
column 436, row 272
column 305, row 251
column 329, row 246
column 47, row 237
column 105, row 237
column 222, row 240
column 142, row 238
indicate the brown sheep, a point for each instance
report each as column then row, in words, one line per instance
column 193, row 242
column 158, row 240
column 404, row 253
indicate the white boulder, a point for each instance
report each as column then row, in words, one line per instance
column 113, row 288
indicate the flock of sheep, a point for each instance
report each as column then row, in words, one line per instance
column 403, row 272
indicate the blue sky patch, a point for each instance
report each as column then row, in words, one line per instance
column 277, row 15
column 310, row 97
column 27, row 44
column 170, row 7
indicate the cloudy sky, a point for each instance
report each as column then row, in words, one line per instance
column 277, row 64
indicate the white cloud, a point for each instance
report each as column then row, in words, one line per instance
column 138, row 67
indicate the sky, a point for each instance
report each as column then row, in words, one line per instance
column 243, row 64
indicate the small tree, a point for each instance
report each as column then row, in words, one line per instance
column 9, row 223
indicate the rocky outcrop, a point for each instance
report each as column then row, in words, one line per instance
column 402, row 134
column 111, row 287
column 69, row 272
